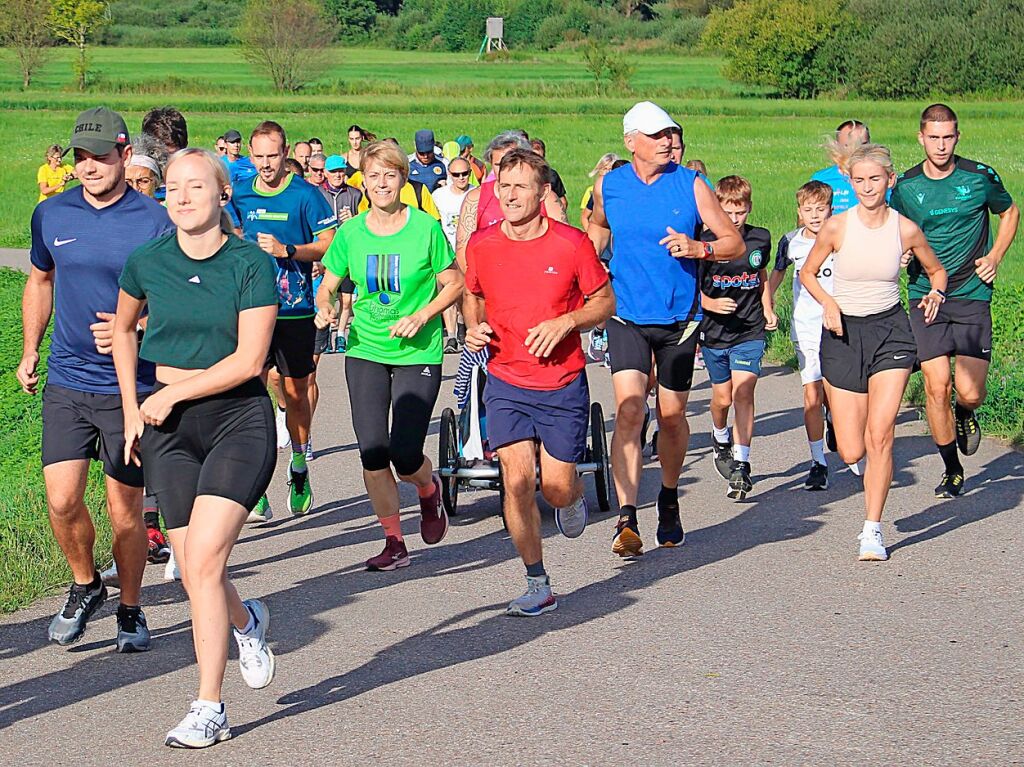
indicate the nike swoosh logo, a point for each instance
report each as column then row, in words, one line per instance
column 900, row 356
column 57, row 242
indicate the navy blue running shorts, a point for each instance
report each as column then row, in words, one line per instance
column 556, row 418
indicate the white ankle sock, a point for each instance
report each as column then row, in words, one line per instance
column 741, row 453
column 218, row 705
column 872, row 527
column 721, row 435
column 818, row 451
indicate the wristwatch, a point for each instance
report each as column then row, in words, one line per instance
column 709, row 251
column 290, row 250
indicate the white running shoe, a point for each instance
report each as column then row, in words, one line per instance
column 572, row 520
column 871, row 547
column 171, row 571
column 255, row 658
column 110, row 577
column 203, row 726
column 856, row 469
column 283, row 438
column 537, row 600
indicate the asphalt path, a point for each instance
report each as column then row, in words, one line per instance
column 761, row 641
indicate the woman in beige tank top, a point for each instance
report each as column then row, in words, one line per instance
column 868, row 351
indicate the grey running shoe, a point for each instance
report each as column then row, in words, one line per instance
column 132, row 630
column 203, row 726
column 537, row 600
column 255, row 658
column 68, row 625
column 572, row 520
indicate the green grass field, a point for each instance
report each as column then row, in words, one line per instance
column 773, row 142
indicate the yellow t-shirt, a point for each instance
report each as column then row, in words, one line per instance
column 408, row 196
column 52, row 177
column 586, row 197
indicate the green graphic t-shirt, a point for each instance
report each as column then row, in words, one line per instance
column 395, row 276
column 953, row 213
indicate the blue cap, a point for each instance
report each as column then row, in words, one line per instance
column 425, row 140
column 335, row 162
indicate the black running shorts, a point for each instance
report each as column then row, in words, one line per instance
column 323, row 337
column 291, row 347
column 224, row 445
column 867, row 346
column 962, row 328
column 82, row 426
column 672, row 348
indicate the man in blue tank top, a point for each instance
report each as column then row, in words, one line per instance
column 654, row 209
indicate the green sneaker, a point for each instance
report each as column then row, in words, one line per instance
column 300, row 494
column 261, row 512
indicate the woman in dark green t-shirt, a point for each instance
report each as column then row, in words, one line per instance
column 206, row 434
column 396, row 256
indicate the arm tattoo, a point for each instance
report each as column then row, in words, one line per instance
column 467, row 222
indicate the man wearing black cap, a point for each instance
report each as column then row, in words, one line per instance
column 240, row 167
column 80, row 242
column 425, row 166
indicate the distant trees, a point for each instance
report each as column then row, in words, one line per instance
column 288, row 39
column 872, row 48
column 23, row 29
column 78, row 22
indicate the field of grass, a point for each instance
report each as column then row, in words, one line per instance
column 773, row 142
column 31, row 565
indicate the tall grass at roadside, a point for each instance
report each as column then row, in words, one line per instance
column 31, row 564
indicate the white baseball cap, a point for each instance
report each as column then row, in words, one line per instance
column 647, row 117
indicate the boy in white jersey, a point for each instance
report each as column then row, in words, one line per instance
column 814, row 206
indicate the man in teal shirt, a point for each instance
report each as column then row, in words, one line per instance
column 293, row 223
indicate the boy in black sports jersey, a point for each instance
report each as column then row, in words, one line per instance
column 737, row 310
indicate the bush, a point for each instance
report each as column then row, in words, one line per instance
column 918, row 49
column 354, row 19
column 524, row 18
column 778, row 44
column 683, row 32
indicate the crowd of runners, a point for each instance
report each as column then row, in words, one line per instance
column 185, row 283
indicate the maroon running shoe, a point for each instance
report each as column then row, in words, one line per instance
column 433, row 517
column 395, row 555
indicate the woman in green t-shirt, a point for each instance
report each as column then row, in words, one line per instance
column 396, row 256
column 206, row 433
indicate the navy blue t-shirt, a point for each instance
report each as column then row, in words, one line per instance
column 295, row 215
column 430, row 175
column 88, row 247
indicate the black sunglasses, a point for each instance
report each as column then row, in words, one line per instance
column 315, row 170
column 459, row 175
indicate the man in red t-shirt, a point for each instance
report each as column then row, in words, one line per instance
column 531, row 285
